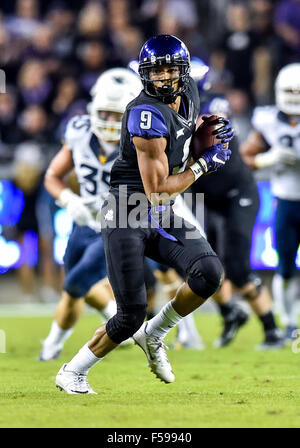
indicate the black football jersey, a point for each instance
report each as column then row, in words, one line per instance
column 234, row 175
column 149, row 117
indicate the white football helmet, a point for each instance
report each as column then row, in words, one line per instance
column 199, row 72
column 113, row 90
column 287, row 89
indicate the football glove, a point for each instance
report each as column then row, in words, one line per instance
column 212, row 159
column 276, row 154
column 224, row 133
column 73, row 203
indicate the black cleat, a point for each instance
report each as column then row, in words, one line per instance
column 274, row 340
column 232, row 323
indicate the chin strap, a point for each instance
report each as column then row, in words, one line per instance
column 167, row 94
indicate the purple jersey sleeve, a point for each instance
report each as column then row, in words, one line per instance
column 146, row 121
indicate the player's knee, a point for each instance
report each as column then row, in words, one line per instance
column 74, row 287
column 126, row 322
column 252, row 288
column 68, row 300
column 206, row 276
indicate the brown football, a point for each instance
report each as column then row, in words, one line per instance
column 203, row 138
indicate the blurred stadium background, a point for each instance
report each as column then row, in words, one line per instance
column 52, row 53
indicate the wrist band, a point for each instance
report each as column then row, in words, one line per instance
column 198, row 168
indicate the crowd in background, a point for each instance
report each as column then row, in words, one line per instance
column 53, row 52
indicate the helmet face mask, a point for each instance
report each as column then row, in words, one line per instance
column 287, row 89
column 107, row 125
column 106, row 118
column 160, row 52
column 164, row 80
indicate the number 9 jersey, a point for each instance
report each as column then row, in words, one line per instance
column 93, row 160
column 148, row 117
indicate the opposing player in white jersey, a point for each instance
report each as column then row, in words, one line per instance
column 275, row 142
column 91, row 145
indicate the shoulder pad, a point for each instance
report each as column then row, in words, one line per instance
column 147, row 121
column 262, row 116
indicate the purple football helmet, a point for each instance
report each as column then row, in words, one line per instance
column 162, row 50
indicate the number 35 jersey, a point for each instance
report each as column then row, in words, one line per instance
column 148, row 117
column 92, row 168
column 273, row 125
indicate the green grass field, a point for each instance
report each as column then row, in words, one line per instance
column 232, row 387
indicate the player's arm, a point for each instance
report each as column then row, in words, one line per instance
column 256, row 154
column 154, row 169
column 149, row 134
column 252, row 148
column 59, row 167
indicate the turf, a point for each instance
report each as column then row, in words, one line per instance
column 232, row 387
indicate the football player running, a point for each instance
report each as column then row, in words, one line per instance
column 156, row 131
column 274, row 143
column 91, row 145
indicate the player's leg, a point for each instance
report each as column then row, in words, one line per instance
column 204, row 274
column 150, row 282
column 67, row 314
column 100, row 297
column 68, row 310
column 259, row 299
column 84, row 266
column 192, row 256
column 238, row 235
column 125, row 267
column 169, row 279
column 284, row 282
column 233, row 317
column 126, row 274
column 187, row 333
